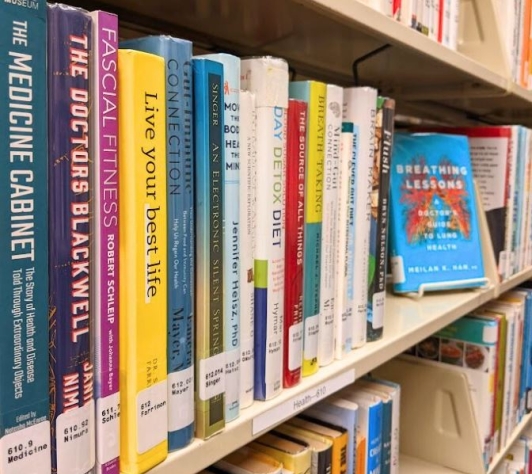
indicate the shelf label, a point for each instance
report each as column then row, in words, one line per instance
column 108, row 428
column 152, row 416
column 299, row 402
column 181, row 399
column 211, row 381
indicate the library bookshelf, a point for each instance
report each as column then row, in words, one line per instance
column 321, row 39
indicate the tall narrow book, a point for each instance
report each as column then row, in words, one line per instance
column 231, row 164
column 315, row 95
column 248, row 183
column 143, row 268
column 24, row 393
column 208, row 141
column 360, row 105
column 295, row 226
column 330, row 224
column 271, row 97
column 104, row 294
column 177, row 54
column 69, row 197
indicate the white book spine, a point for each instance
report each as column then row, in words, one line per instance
column 344, row 179
column 508, row 369
column 328, row 271
column 435, row 30
column 396, row 418
column 453, row 27
column 248, row 177
column 427, row 17
column 406, row 13
column 360, row 105
column 524, row 202
column 446, row 23
column 507, row 261
column 267, row 78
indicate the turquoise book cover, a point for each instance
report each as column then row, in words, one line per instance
column 177, row 54
column 24, row 395
column 434, row 233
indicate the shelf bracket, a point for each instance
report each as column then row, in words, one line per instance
column 364, row 58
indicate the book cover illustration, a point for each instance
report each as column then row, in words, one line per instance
column 177, row 54
column 70, row 175
column 434, row 234
column 24, row 394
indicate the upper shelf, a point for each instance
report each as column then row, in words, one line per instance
column 322, row 38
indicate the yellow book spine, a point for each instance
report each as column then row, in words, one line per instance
column 313, row 222
column 294, row 463
column 361, row 455
column 339, row 454
column 142, row 268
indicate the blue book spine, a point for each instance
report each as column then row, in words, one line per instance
column 69, row 158
column 24, row 402
column 177, row 54
column 374, row 441
column 526, row 371
column 518, row 199
column 434, row 233
column 231, row 66
column 386, row 453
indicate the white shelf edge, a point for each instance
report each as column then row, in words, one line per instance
column 514, row 281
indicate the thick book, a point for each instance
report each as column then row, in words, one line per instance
column 248, row 183
column 360, row 105
column 314, row 93
column 434, row 232
column 231, row 163
column 104, row 291
column 143, row 266
column 272, row 103
column 24, row 395
column 70, row 236
column 294, row 241
column 209, row 180
column 330, row 224
column 293, row 453
column 177, row 54
column 247, row 460
column 380, row 192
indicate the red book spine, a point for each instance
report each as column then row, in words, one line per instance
column 295, row 220
column 441, row 14
column 396, row 13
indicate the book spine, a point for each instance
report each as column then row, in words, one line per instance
column 377, row 276
column 315, row 93
column 360, row 108
column 24, row 394
column 527, row 359
column 71, row 368
column 294, row 242
column 328, row 271
column 453, row 27
column 143, row 265
column 104, row 123
column 342, row 332
column 248, row 182
column 272, row 102
column 375, row 436
column 386, row 453
column 210, row 172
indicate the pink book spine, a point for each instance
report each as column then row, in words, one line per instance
column 106, row 235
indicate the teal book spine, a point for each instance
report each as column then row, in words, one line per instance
column 386, row 453
column 177, row 54
column 24, row 395
column 231, row 65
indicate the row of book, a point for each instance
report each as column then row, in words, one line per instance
column 492, row 347
column 437, row 19
column 164, row 188
column 518, row 460
column 355, row 431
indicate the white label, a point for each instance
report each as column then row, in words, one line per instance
column 312, row 330
column 295, row 346
column 26, row 451
column 152, row 416
column 286, row 471
column 232, row 378
column 490, row 334
column 301, row 401
column 503, row 262
column 211, row 376
column 108, row 428
column 398, row 269
column 181, row 399
column 246, row 373
column 76, row 440
column 378, row 309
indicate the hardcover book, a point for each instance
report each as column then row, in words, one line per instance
column 24, row 395
column 272, row 103
column 177, row 54
column 70, row 236
column 104, row 123
column 434, row 234
column 315, row 95
column 143, row 266
column 208, row 141
column 247, row 460
column 294, row 241
column 231, row 163
column 248, row 183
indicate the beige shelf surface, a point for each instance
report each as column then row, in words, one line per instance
column 407, row 321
